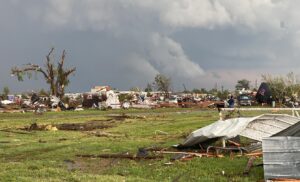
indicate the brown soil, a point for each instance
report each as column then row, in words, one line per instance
column 95, row 166
column 87, row 126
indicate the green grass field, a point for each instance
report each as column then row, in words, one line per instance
column 51, row 155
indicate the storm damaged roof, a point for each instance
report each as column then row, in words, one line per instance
column 255, row 128
column 268, row 125
column 293, row 130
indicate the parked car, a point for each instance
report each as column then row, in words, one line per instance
column 244, row 100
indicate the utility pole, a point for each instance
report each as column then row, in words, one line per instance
column 184, row 87
column 256, row 84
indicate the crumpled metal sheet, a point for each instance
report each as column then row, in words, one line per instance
column 228, row 129
column 293, row 130
column 254, row 128
column 268, row 125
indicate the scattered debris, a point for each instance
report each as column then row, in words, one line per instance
column 104, row 134
column 79, row 109
column 160, row 132
column 179, row 157
column 50, row 128
column 142, row 152
column 283, row 179
column 33, row 126
column 227, row 149
column 253, row 147
column 234, row 143
column 196, row 154
column 255, row 154
column 120, row 156
column 6, row 102
column 249, row 165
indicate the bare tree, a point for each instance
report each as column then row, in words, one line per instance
column 163, row 84
column 55, row 75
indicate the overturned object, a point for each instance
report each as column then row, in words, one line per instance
column 254, row 128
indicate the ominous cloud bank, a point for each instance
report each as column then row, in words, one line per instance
column 125, row 43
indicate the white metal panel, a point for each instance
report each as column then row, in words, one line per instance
column 281, row 157
column 254, row 128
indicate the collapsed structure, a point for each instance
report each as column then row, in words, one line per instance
column 278, row 136
column 254, row 128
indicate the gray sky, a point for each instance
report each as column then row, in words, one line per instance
column 125, row 43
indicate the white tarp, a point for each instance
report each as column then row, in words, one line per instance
column 260, row 126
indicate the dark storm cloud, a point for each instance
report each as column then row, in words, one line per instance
column 126, row 43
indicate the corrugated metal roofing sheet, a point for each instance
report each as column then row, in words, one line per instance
column 268, row 125
column 293, row 130
column 254, row 128
column 281, row 157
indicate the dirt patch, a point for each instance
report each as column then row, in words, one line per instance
column 87, row 126
column 119, row 117
column 122, row 117
column 95, row 166
column 99, row 163
column 105, row 134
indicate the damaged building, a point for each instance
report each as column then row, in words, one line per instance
column 277, row 136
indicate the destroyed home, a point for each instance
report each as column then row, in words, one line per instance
column 168, row 91
column 234, row 136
